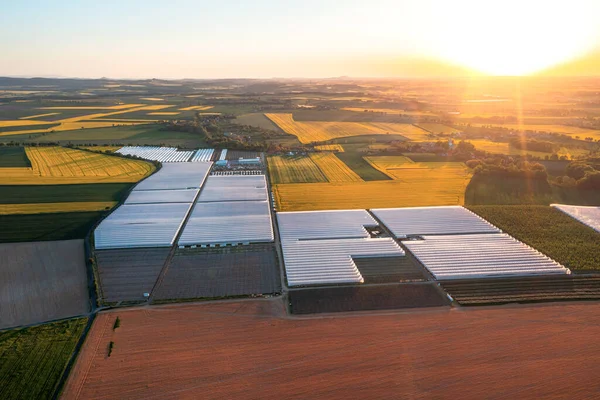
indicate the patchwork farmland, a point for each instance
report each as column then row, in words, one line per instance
column 318, row 131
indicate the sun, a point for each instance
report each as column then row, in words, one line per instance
column 514, row 38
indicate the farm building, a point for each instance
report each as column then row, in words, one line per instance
column 167, row 154
column 589, row 216
column 176, row 176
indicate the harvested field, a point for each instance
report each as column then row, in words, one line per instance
column 333, row 168
column 32, row 360
column 356, row 162
column 126, row 274
column 294, row 169
column 221, row 272
column 330, row 147
column 42, row 281
column 39, row 115
column 365, row 298
column 55, row 226
column 319, row 131
column 196, row 108
column 165, row 113
column 59, row 165
column 254, row 351
column 412, row 192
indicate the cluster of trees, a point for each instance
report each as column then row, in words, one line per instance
column 507, row 167
column 582, row 175
column 533, row 145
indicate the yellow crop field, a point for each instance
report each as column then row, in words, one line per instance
column 294, row 169
column 58, row 165
column 416, row 190
column 318, row 131
column 164, row 113
column 83, row 121
column 437, row 128
column 21, row 122
column 566, row 130
column 196, row 108
column 39, row 116
column 42, row 208
column 436, row 173
column 152, row 99
column 334, row 169
column 330, row 147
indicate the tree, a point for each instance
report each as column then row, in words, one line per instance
column 577, row 170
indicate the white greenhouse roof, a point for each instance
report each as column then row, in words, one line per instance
column 589, row 216
column 154, row 153
column 329, row 261
column 318, row 246
column 176, row 176
column 445, row 220
column 324, row 224
column 162, row 196
column 141, row 225
column 480, row 256
column 234, row 188
column 228, row 223
column 203, row 155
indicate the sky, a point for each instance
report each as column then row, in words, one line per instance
column 281, row 38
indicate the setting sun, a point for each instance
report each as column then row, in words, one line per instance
column 513, row 38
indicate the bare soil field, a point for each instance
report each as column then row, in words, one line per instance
column 365, row 298
column 221, row 272
column 250, row 350
column 42, row 281
column 126, row 274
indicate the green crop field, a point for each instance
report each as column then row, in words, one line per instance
column 53, row 226
column 362, row 168
column 32, row 360
column 14, row 157
column 548, row 230
column 150, row 134
column 27, row 194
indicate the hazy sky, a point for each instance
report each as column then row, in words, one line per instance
column 309, row 38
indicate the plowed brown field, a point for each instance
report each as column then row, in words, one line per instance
column 251, row 350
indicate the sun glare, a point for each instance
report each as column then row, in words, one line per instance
column 515, row 38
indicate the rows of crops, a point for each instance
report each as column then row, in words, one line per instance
column 58, row 165
column 294, row 169
column 333, row 168
column 32, row 360
column 318, row 131
column 330, row 147
column 548, row 230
